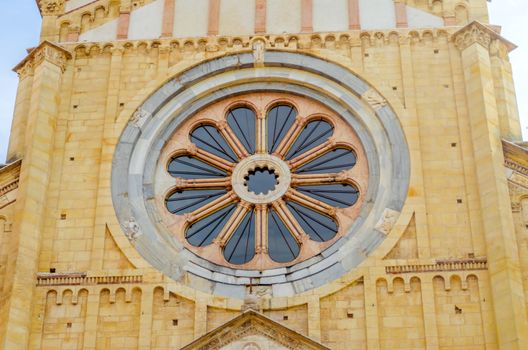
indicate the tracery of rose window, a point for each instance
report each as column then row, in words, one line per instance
column 263, row 180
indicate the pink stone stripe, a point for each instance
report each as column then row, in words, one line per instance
column 401, row 15
column 307, row 16
column 122, row 25
column 353, row 15
column 214, row 17
column 73, row 36
column 260, row 16
column 168, row 19
column 450, row 21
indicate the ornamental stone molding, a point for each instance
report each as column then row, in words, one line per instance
column 479, row 33
column 373, row 98
column 252, row 323
column 139, row 179
column 46, row 51
column 51, row 7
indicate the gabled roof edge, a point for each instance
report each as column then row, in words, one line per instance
column 247, row 316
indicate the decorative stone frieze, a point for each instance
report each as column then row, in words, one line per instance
column 81, row 278
column 441, row 266
column 51, row 7
column 46, row 51
column 337, row 42
column 516, row 207
column 477, row 32
column 13, row 185
column 472, row 34
column 25, row 71
column 515, row 166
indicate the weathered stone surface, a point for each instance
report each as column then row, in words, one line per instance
column 429, row 107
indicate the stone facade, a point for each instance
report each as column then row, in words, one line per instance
column 442, row 261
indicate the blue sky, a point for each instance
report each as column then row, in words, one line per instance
column 20, row 25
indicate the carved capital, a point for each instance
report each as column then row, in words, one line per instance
column 478, row 33
column 25, row 70
column 51, row 54
column 471, row 35
column 51, row 7
column 45, row 52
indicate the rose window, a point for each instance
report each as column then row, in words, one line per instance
column 263, row 180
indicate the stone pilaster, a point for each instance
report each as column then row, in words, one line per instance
column 510, row 126
column 415, row 145
column 48, row 62
column 371, row 313
column 168, row 18
column 50, row 10
column 18, row 128
column 145, row 321
column 200, row 317
column 429, row 315
column 103, row 202
column 90, row 323
column 314, row 318
column 260, row 16
column 474, row 41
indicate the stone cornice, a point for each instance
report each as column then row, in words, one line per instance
column 10, row 172
column 515, row 157
column 46, row 51
column 440, row 266
column 9, row 180
column 4, row 189
column 81, row 278
column 476, row 32
column 253, row 323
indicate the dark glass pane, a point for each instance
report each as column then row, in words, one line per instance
column 209, row 139
column 240, row 248
column 319, row 227
column 187, row 201
column 203, row 232
column 187, row 167
column 337, row 195
column 280, row 120
column 334, row 161
column 243, row 122
column 314, row 134
column 282, row 246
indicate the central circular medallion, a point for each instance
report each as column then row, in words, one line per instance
column 261, row 178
